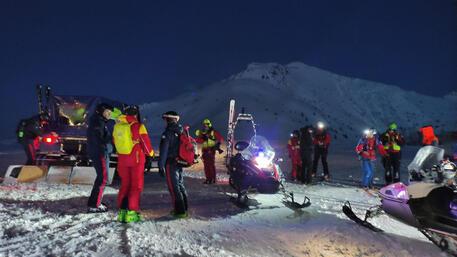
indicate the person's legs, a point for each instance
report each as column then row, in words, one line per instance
column 316, row 160
column 212, row 166
column 96, row 195
column 136, row 187
column 182, row 188
column 293, row 172
column 366, row 169
column 386, row 163
column 206, row 164
column 122, row 196
column 395, row 164
column 172, row 173
column 324, row 153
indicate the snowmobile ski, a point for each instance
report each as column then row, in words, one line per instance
column 446, row 242
column 347, row 210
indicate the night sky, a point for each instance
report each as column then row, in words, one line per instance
column 149, row 51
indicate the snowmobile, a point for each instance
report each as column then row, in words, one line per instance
column 428, row 203
column 255, row 167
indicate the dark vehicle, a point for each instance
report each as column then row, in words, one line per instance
column 64, row 141
column 429, row 203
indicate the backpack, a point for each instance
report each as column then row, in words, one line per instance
column 122, row 135
column 187, row 149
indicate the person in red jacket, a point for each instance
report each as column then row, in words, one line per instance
column 130, row 167
column 210, row 141
column 293, row 146
column 321, row 142
column 428, row 136
column 366, row 149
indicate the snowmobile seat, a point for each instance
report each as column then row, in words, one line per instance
column 433, row 211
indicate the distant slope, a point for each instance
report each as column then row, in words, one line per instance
column 283, row 98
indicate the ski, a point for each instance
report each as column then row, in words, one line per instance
column 39, row 92
column 347, row 210
column 230, row 131
column 48, row 97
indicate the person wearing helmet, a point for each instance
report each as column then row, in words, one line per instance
column 392, row 141
column 28, row 133
column 98, row 138
column 306, row 154
column 321, row 142
column 168, row 165
column 133, row 144
column 210, row 141
column 366, row 149
column 428, row 136
column 293, row 146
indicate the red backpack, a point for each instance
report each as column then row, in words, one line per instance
column 187, row 155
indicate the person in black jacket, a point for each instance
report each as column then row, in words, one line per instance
column 306, row 153
column 98, row 139
column 28, row 134
column 169, row 150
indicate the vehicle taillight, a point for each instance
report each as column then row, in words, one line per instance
column 51, row 138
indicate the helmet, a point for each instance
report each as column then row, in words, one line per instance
column 207, row 122
column 370, row 131
column 295, row 133
column 320, row 125
column 170, row 115
column 131, row 110
column 102, row 107
column 393, row 126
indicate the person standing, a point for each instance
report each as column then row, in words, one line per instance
column 366, row 149
column 306, row 154
column 168, row 165
column 132, row 145
column 28, row 133
column 392, row 141
column 428, row 136
column 321, row 142
column 293, row 147
column 98, row 138
column 210, row 141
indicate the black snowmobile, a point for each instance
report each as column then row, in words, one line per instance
column 429, row 203
column 255, row 167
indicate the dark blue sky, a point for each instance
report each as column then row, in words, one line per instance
column 143, row 51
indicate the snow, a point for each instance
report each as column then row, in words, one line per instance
column 41, row 219
column 286, row 97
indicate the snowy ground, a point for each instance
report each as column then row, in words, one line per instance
column 50, row 220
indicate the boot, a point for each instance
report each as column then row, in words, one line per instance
column 122, row 215
column 132, row 216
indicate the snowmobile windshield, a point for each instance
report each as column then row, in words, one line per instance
column 260, row 149
column 72, row 111
column 425, row 159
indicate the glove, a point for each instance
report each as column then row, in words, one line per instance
column 162, row 172
column 148, row 162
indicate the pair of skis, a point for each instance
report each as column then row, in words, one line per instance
column 42, row 108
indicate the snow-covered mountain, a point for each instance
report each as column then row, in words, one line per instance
column 285, row 97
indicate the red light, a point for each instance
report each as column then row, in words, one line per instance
column 50, row 138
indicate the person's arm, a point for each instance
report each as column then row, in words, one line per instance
column 380, row 147
column 328, row 139
column 359, row 147
column 146, row 141
column 163, row 155
column 218, row 137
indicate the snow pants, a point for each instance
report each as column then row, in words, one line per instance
column 321, row 153
column 368, row 169
column 306, row 172
column 392, row 167
column 296, row 170
column 176, row 186
column 209, row 163
column 132, row 182
column 96, row 195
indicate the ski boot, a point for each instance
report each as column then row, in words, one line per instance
column 121, row 215
column 179, row 215
column 132, row 216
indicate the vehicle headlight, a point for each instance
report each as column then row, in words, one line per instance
column 264, row 160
